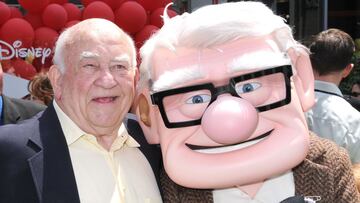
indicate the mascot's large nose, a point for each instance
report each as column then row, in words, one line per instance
column 229, row 120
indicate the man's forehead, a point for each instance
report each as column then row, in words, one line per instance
column 119, row 51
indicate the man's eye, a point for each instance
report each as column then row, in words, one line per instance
column 90, row 66
column 247, row 87
column 198, row 99
column 119, row 67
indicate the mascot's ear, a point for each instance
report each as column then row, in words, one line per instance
column 303, row 77
column 146, row 117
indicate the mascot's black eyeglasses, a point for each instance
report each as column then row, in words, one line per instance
column 192, row 98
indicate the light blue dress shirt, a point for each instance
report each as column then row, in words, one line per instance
column 332, row 117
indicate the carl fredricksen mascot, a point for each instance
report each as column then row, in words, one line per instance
column 223, row 90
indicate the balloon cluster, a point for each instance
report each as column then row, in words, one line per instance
column 37, row 25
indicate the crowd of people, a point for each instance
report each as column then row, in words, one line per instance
column 228, row 107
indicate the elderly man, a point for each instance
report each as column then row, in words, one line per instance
column 78, row 150
column 13, row 110
column 224, row 90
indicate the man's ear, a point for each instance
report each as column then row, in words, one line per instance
column 347, row 70
column 55, row 77
column 303, row 77
column 146, row 117
column 136, row 76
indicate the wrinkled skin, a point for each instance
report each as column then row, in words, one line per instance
column 97, row 87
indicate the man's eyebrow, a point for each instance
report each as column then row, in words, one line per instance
column 88, row 54
column 260, row 59
column 121, row 58
column 171, row 79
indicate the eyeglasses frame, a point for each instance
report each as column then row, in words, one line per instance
column 157, row 97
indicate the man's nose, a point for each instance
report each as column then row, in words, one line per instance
column 229, row 120
column 106, row 79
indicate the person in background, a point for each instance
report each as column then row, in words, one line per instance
column 40, row 89
column 13, row 110
column 355, row 90
column 347, row 83
column 78, row 150
column 332, row 117
column 354, row 97
column 223, row 90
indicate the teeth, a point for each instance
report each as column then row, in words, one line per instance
column 228, row 148
column 105, row 99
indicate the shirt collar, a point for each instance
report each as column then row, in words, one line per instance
column 274, row 189
column 327, row 87
column 72, row 132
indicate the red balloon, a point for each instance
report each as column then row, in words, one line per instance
column 114, row 4
column 73, row 12
column 131, row 17
column 150, row 5
column 118, row 3
column 166, row 2
column 23, row 69
column 61, row 2
column 34, row 6
column 34, row 19
column 5, row 13
column 45, row 37
column 144, row 34
column 7, row 66
column 71, row 23
column 15, row 13
column 85, row 3
column 111, row 3
column 40, row 66
column 98, row 9
column 54, row 16
column 157, row 20
column 17, row 29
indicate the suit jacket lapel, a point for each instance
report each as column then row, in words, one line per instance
column 36, row 161
column 51, row 166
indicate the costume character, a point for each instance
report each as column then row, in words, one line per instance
column 223, row 90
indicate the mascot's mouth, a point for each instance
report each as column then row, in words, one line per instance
column 231, row 147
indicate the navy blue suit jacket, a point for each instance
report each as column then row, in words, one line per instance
column 35, row 164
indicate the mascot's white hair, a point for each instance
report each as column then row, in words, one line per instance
column 213, row 25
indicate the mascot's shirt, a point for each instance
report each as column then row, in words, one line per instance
column 272, row 191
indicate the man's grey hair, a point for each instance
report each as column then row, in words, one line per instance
column 214, row 25
column 90, row 29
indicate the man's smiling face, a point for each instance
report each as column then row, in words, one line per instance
column 97, row 86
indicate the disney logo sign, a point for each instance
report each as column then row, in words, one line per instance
column 16, row 51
